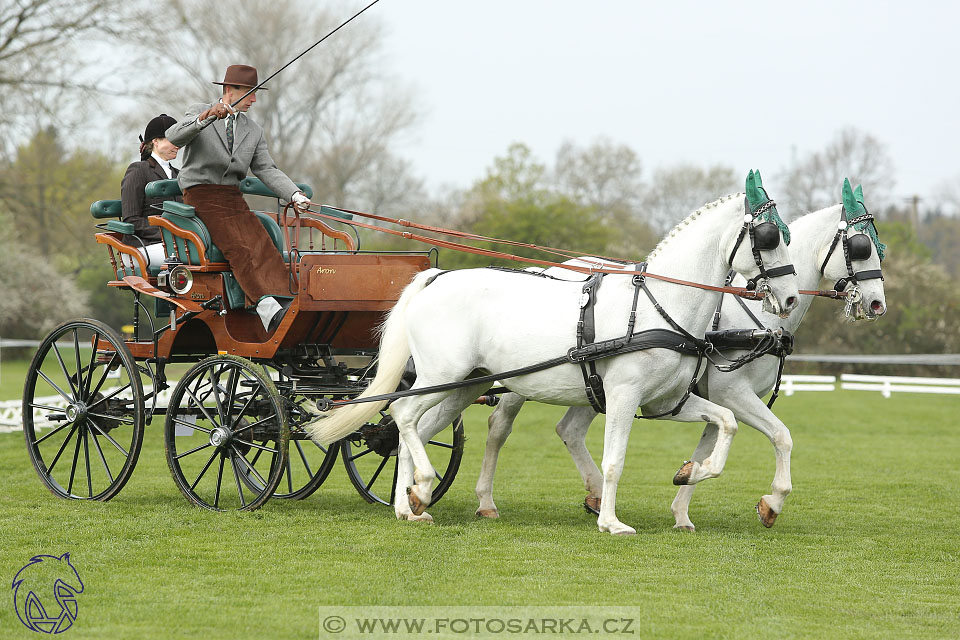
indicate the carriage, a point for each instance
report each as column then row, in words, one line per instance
column 234, row 397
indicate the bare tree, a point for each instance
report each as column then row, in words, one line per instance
column 330, row 117
column 677, row 191
column 45, row 59
column 812, row 182
column 603, row 174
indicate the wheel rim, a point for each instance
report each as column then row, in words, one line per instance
column 308, row 463
column 83, row 411
column 374, row 475
column 226, row 435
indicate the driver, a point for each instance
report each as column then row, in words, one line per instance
column 215, row 160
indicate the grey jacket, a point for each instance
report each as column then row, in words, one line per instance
column 205, row 159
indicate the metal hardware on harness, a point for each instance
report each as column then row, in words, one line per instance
column 841, row 238
column 586, row 332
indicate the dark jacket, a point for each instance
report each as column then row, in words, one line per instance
column 136, row 206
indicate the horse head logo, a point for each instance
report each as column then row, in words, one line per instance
column 45, row 593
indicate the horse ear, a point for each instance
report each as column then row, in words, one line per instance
column 849, row 201
column 858, row 193
column 757, row 176
column 754, row 199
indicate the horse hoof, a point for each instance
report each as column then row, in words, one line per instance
column 619, row 529
column 767, row 515
column 416, row 505
column 423, row 517
column 683, row 475
column 685, row 527
column 592, row 505
column 488, row 513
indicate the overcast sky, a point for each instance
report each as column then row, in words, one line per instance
column 743, row 84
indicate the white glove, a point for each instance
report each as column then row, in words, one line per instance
column 300, row 201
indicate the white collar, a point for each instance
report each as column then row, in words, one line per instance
column 164, row 164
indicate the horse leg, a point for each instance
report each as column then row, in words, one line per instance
column 694, row 410
column 572, row 429
column 616, row 434
column 500, row 425
column 406, row 413
column 681, row 503
column 754, row 412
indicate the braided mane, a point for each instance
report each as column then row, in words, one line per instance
column 683, row 223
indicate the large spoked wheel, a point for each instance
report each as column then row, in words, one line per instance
column 370, row 456
column 226, row 435
column 308, row 464
column 83, row 411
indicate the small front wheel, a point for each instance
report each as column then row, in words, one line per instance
column 226, row 435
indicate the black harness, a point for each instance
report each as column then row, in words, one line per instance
column 764, row 236
column 856, row 248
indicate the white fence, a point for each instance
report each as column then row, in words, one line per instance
column 791, row 384
column 901, row 384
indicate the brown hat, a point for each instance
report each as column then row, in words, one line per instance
column 241, row 75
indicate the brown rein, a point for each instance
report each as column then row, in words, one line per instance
column 456, row 246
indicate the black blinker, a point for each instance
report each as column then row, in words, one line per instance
column 766, row 236
column 859, row 246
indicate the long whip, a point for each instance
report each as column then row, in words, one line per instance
column 303, row 53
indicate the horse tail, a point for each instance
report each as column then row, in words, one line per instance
column 392, row 361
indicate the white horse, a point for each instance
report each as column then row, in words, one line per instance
column 479, row 321
column 818, row 267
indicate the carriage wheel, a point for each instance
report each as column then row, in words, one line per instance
column 226, row 435
column 370, row 456
column 83, row 411
column 308, row 463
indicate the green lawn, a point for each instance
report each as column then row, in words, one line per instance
column 867, row 547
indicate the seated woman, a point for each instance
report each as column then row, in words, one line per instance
column 156, row 152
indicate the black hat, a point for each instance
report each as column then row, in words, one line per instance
column 157, row 128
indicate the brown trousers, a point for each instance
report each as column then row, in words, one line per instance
column 254, row 259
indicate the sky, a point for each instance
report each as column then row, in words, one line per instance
column 748, row 85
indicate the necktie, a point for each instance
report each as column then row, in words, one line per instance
column 230, row 120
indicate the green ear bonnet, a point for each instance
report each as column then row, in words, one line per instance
column 857, row 216
column 762, row 206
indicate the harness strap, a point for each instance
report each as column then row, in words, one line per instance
column 586, row 333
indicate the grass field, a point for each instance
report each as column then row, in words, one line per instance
column 867, row 547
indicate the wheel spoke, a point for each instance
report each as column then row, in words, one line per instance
column 376, row 473
column 93, row 359
column 215, row 390
column 257, row 423
column 107, row 436
column 103, row 459
column 57, row 430
column 192, row 425
column 393, row 485
column 216, row 499
column 194, row 450
column 103, row 376
column 123, row 419
column 250, row 467
column 112, row 394
column 303, row 457
column 202, row 408
column 76, row 355
column 62, row 447
column 236, row 477
column 76, row 457
column 257, row 446
column 289, row 471
column 86, row 457
column 62, row 393
column 205, row 467
column 63, row 368
column 440, row 444
column 361, row 454
column 246, row 406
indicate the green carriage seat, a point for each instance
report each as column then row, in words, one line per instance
column 112, row 211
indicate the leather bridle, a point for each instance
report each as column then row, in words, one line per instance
column 770, row 240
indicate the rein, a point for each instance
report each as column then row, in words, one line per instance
column 741, row 292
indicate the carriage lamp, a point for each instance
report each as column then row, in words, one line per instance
column 180, row 279
column 163, row 278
